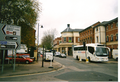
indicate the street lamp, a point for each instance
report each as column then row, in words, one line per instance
column 38, row 32
column 38, row 39
column 43, row 45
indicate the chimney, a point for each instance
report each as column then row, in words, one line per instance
column 68, row 25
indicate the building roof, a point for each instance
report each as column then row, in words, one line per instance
column 97, row 23
column 68, row 29
column 104, row 23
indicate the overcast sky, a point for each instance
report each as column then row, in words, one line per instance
column 56, row 14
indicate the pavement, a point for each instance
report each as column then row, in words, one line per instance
column 33, row 68
column 28, row 69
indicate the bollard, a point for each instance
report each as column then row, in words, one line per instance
column 87, row 60
column 51, row 63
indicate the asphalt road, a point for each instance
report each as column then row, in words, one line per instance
column 75, row 70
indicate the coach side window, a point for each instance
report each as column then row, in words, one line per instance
column 91, row 49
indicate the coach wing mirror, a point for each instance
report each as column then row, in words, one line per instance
column 108, row 49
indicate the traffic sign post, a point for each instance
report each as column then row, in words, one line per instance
column 10, row 39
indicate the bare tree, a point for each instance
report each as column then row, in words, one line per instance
column 47, row 39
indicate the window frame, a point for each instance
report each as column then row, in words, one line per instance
column 64, row 39
column 111, row 37
column 117, row 36
column 69, row 39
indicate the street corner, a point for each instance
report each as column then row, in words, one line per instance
column 57, row 65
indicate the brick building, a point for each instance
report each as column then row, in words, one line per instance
column 87, row 35
column 107, row 33
column 104, row 33
column 56, row 43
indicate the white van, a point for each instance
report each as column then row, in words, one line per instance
column 48, row 55
column 115, row 54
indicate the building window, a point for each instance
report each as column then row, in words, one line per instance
column 116, row 37
column 88, row 40
column 97, row 39
column 96, row 29
column 64, row 39
column 70, row 39
column 91, row 39
column 111, row 37
column 78, row 39
column 59, row 41
column 111, row 25
column 107, row 28
column 107, row 39
column 91, row 31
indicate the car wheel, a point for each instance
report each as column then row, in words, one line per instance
column 27, row 62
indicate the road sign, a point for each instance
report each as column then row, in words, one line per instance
column 11, row 30
column 8, row 44
column 10, row 36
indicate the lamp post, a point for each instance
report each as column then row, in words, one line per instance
column 38, row 32
column 38, row 38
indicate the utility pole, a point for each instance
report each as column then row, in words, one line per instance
column 43, row 57
column 38, row 42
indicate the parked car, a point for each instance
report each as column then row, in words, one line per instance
column 20, row 58
column 26, row 56
column 57, row 54
column 63, row 55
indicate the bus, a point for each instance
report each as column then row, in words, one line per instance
column 91, row 52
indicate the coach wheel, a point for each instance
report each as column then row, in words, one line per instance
column 77, row 58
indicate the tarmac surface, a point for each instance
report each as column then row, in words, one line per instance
column 33, row 68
